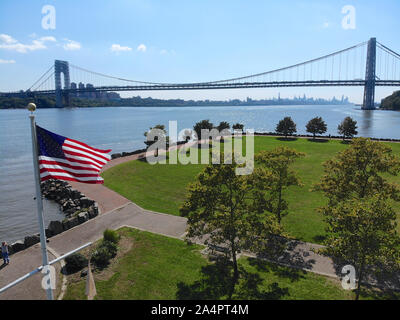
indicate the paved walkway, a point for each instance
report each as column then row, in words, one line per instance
column 117, row 211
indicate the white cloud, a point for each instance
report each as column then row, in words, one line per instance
column 6, row 61
column 52, row 39
column 71, row 45
column 9, row 43
column 119, row 48
column 5, row 38
column 142, row 48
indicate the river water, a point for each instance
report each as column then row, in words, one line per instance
column 121, row 129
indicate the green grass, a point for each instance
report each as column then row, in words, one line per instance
column 162, row 188
column 158, row 267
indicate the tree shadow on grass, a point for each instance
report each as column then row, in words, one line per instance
column 318, row 140
column 283, row 272
column 249, row 288
column 216, row 279
column 286, row 139
column 319, row 238
column 216, row 283
column 346, row 142
column 369, row 292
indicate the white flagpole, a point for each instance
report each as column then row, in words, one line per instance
column 45, row 259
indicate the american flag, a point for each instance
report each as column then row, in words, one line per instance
column 66, row 159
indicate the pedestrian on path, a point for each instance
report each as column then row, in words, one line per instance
column 4, row 252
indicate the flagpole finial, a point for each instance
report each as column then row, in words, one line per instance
column 31, row 107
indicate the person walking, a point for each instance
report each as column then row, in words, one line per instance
column 4, row 252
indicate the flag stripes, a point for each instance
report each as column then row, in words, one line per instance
column 66, row 159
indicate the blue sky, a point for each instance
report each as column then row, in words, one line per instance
column 187, row 40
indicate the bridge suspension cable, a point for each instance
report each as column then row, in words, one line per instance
column 51, row 68
column 343, row 67
column 309, row 67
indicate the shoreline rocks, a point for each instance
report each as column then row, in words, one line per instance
column 76, row 207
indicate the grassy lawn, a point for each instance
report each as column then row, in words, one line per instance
column 162, row 188
column 151, row 266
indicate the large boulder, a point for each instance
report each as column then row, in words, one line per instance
column 93, row 211
column 49, row 233
column 83, row 217
column 65, row 225
column 55, row 227
column 31, row 240
column 75, row 194
column 17, row 246
column 86, row 202
column 70, row 223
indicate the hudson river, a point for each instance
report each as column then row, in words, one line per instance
column 121, row 129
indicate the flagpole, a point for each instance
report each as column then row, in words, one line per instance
column 45, row 258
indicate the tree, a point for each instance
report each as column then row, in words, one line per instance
column 238, row 126
column 391, row 102
column 363, row 233
column 222, row 206
column 159, row 128
column 278, row 162
column 202, row 125
column 286, row 127
column 359, row 214
column 348, row 128
column 223, row 126
column 316, row 126
column 356, row 172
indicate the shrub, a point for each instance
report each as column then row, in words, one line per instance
column 111, row 236
column 111, row 247
column 75, row 263
column 104, row 252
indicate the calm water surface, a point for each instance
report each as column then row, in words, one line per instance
column 121, row 129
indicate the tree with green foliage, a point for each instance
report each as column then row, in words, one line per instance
column 278, row 162
column 363, row 233
column 202, row 125
column 391, row 102
column 238, row 127
column 286, row 127
column 359, row 213
column 223, row 126
column 160, row 136
column 348, row 128
column 316, row 126
column 111, row 236
column 223, row 207
column 357, row 172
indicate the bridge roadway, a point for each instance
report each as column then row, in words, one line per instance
column 216, row 85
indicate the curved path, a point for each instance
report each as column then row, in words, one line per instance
column 117, row 211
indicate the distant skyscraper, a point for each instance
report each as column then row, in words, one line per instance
column 73, row 87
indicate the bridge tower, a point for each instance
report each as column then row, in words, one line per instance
column 61, row 67
column 369, row 89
